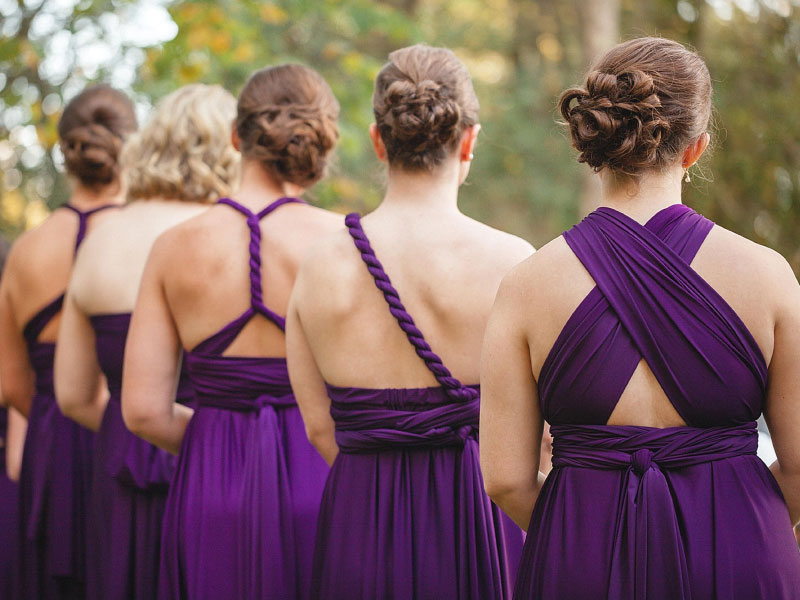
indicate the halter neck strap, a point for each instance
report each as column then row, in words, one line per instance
column 452, row 386
column 83, row 219
column 254, row 224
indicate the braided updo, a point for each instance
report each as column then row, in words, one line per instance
column 423, row 102
column 91, row 130
column 286, row 120
column 643, row 103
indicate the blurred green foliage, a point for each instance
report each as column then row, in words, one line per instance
column 521, row 54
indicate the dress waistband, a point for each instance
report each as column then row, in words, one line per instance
column 384, row 428
column 647, row 512
column 645, row 448
column 250, row 404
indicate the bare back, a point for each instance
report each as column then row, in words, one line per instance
column 446, row 268
column 109, row 266
column 555, row 283
column 206, row 275
column 40, row 264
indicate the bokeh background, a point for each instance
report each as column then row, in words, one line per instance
column 521, row 54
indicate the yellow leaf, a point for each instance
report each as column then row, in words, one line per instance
column 273, row 14
column 12, row 209
column 220, row 42
column 244, row 52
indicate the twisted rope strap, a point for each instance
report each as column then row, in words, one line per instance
column 254, row 224
column 453, row 387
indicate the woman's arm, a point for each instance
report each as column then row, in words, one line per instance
column 77, row 374
column 511, row 423
column 152, row 362
column 308, row 384
column 15, row 441
column 17, row 379
column 782, row 408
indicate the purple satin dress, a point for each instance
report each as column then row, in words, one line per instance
column 404, row 514
column 129, row 485
column 643, row 513
column 9, row 509
column 242, row 508
column 55, row 477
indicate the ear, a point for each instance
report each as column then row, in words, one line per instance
column 695, row 150
column 377, row 143
column 235, row 141
column 468, row 140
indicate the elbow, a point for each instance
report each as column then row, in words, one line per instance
column 502, row 488
column 319, row 437
column 497, row 490
column 68, row 405
column 138, row 421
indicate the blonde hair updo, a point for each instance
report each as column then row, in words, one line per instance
column 184, row 152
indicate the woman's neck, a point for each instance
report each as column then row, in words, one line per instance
column 86, row 198
column 423, row 191
column 257, row 188
column 640, row 199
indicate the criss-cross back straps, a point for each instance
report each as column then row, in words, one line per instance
column 253, row 222
column 685, row 331
column 452, row 386
column 39, row 321
column 83, row 220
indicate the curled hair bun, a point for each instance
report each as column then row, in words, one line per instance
column 91, row 153
column 92, row 129
column 644, row 102
column 423, row 115
column 286, row 120
column 616, row 121
column 423, row 102
column 293, row 140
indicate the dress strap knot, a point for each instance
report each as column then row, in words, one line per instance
column 641, row 461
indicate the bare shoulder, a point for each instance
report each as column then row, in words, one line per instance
column 42, row 248
column 544, row 270
column 329, row 257
column 328, row 270
column 751, row 263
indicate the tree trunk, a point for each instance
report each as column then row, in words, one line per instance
column 599, row 21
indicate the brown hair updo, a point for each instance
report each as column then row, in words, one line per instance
column 423, row 102
column 643, row 103
column 91, row 129
column 286, row 119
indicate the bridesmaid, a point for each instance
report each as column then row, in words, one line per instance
column 404, row 514
column 56, row 463
column 651, row 340
column 178, row 163
column 242, row 507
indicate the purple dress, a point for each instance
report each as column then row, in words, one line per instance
column 130, row 480
column 664, row 514
column 242, row 507
column 404, row 514
column 55, row 477
column 9, row 508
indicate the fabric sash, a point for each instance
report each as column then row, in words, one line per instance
column 648, row 525
column 375, row 427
